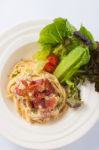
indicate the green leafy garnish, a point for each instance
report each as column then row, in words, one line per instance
column 34, row 110
column 41, row 54
column 73, row 97
column 56, row 32
column 73, row 48
column 71, row 63
column 58, row 105
column 88, row 34
column 15, row 74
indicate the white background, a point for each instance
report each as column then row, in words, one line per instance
column 78, row 12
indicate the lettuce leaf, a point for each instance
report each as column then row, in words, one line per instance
column 88, row 34
column 42, row 53
column 71, row 63
column 56, row 32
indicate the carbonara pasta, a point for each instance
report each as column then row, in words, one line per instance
column 38, row 96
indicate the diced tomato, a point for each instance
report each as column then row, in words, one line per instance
column 48, row 67
column 52, row 62
column 20, row 92
column 24, row 83
column 53, row 59
column 50, row 103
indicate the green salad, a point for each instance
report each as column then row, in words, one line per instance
column 71, row 54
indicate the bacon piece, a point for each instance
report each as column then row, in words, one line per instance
column 32, row 104
column 24, row 83
column 36, row 85
column 49, row 88
column 38, row 96
column 19, row 92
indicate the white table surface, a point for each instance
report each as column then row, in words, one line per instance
column 77, row 11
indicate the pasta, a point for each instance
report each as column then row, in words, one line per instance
column 37, row 95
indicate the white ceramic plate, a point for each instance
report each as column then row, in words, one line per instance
column 17, row 43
